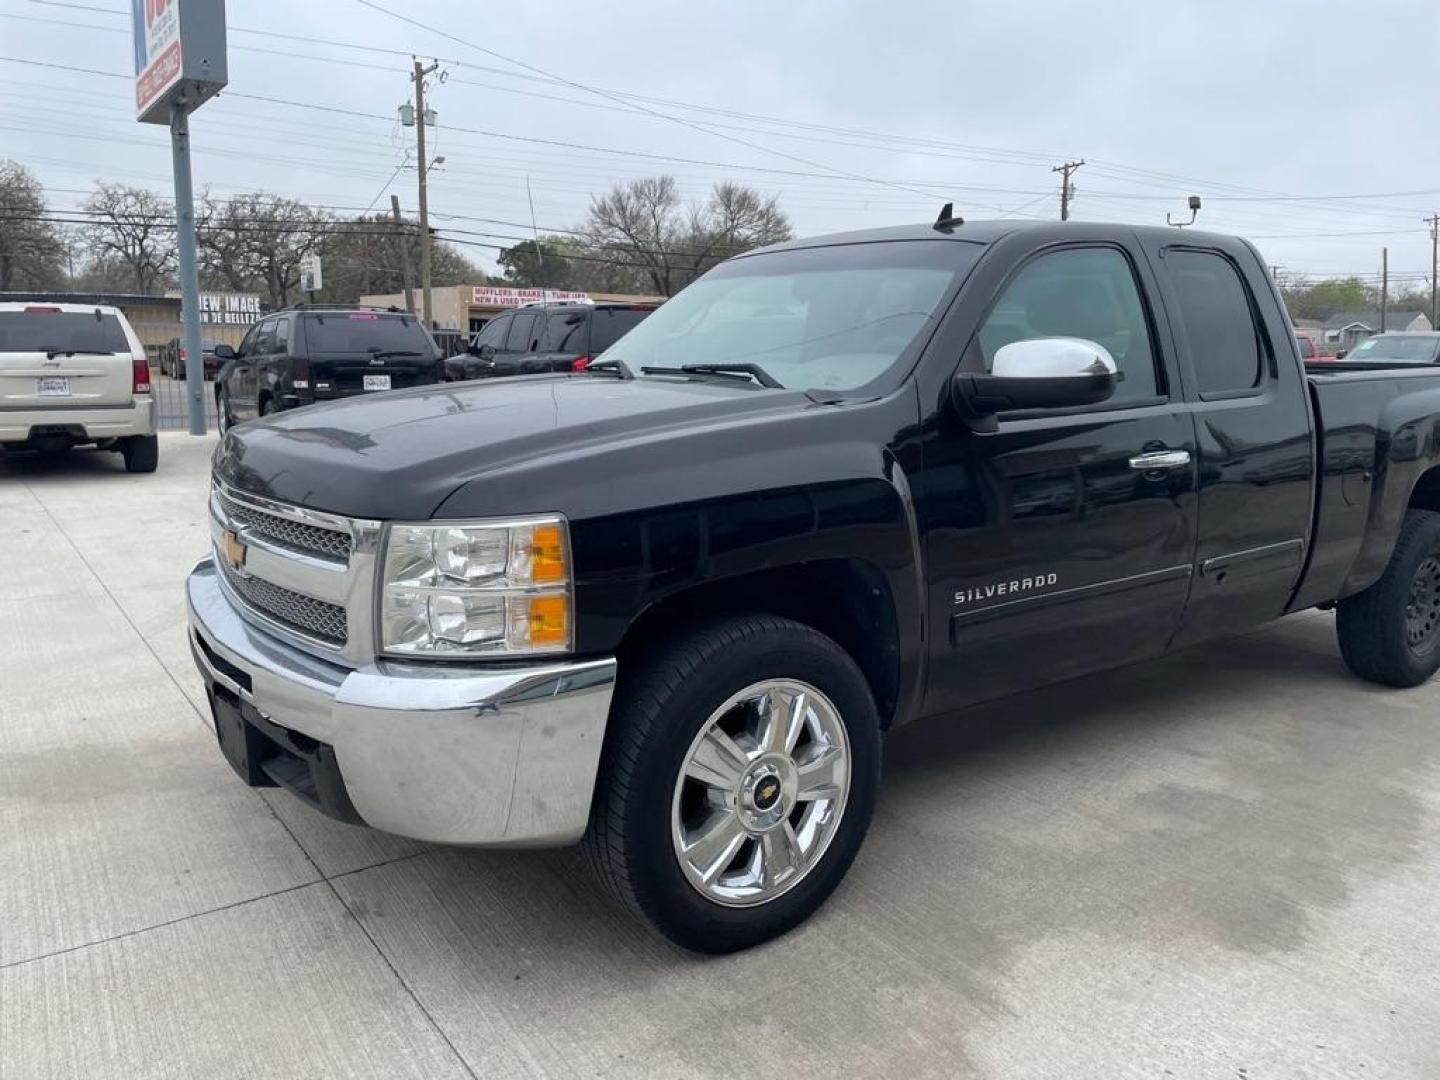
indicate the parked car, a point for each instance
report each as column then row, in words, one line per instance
column 172, row 358
column 1408, row 348
column 1309, row 347
column 668, row 605
column 75, row 374
column 538, row 338
column 307, row 354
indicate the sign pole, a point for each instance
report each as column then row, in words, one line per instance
column 189, row 276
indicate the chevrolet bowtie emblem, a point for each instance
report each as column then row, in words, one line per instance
column 233, row 550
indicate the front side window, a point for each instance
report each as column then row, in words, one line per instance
column 836, row 317
column 1215, row 320
column 493, row 332
column 522, row 333
column 1085, row 293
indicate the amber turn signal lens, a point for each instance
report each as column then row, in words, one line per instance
column 547, row 554
column 549, row 616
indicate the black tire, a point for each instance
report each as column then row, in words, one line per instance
column 1390, row 633
column 141, row 453
column 658, row 711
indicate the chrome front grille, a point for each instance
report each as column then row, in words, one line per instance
column 296, row 611
column 295, row 536
column 306, row 576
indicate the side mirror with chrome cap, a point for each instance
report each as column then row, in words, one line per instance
column 1038, row 373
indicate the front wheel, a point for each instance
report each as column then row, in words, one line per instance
column 1390, row 633
column 738, row 781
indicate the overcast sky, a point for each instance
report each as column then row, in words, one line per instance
column 1242, row 102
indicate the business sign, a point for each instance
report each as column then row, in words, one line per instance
column 229, row 309
column 179, row 50
column 496, row 296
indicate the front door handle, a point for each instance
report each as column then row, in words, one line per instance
column 1161, row 459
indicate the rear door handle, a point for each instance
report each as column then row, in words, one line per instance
column 1160, row 459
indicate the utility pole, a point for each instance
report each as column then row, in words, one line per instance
column 1067, row 189
column 423, row 166
column 1434, row 221
column 1384, row 285
column 408, row 277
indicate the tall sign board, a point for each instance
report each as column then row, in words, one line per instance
column 179, row 48
column 179, row 52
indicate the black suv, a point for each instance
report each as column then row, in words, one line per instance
column 551, row 337
column 307, row 354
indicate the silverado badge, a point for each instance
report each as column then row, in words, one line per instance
column 233, row 550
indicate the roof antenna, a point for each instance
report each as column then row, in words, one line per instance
column 947, row 220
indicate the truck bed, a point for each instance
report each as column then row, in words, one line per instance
column 1375, row 433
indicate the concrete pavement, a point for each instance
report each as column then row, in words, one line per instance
column 1223, row 864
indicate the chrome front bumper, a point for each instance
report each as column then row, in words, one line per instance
column 479, row 755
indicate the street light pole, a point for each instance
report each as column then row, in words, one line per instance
column 423, row 167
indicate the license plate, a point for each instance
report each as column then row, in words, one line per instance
column 377, row 382
column 51, row 387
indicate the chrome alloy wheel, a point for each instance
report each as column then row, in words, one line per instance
column 761, row 793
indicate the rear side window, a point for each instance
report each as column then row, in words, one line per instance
column 366, row 331
column 59, row 331
column 565, row 332
column 282, row 336
column 1216, row 320
column 609, row 325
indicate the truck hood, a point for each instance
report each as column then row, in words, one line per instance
column 398, row 456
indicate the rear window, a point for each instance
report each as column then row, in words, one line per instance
column 59, row 331
column 609, row 325
column 365, row 331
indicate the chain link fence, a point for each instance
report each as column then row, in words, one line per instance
column 173, row 402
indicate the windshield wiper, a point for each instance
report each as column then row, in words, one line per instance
column 395, row 352
column 725, row 370
column 51, row 354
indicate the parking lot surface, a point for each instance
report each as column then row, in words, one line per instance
column 1222, row 864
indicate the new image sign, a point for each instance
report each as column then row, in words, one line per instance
column 157, row 50
column 179, row 48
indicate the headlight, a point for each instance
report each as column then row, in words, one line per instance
column 493, row 588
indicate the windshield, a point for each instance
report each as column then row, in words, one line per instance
column 365, row 331
column 831, row 318
column 1404, row 348
column 46, row 330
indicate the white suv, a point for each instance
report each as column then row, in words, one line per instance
column 73, row 374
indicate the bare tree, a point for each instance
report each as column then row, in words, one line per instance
column 643, row 231
column 256, row 242
column 367, row 255
column 134, row 228
column 32, row 250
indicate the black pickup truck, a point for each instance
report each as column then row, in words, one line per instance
column 667, row 606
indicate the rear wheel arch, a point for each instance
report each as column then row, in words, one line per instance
column 1425, row 492
column 849, row 601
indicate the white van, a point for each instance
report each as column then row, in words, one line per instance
column 72, row 374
